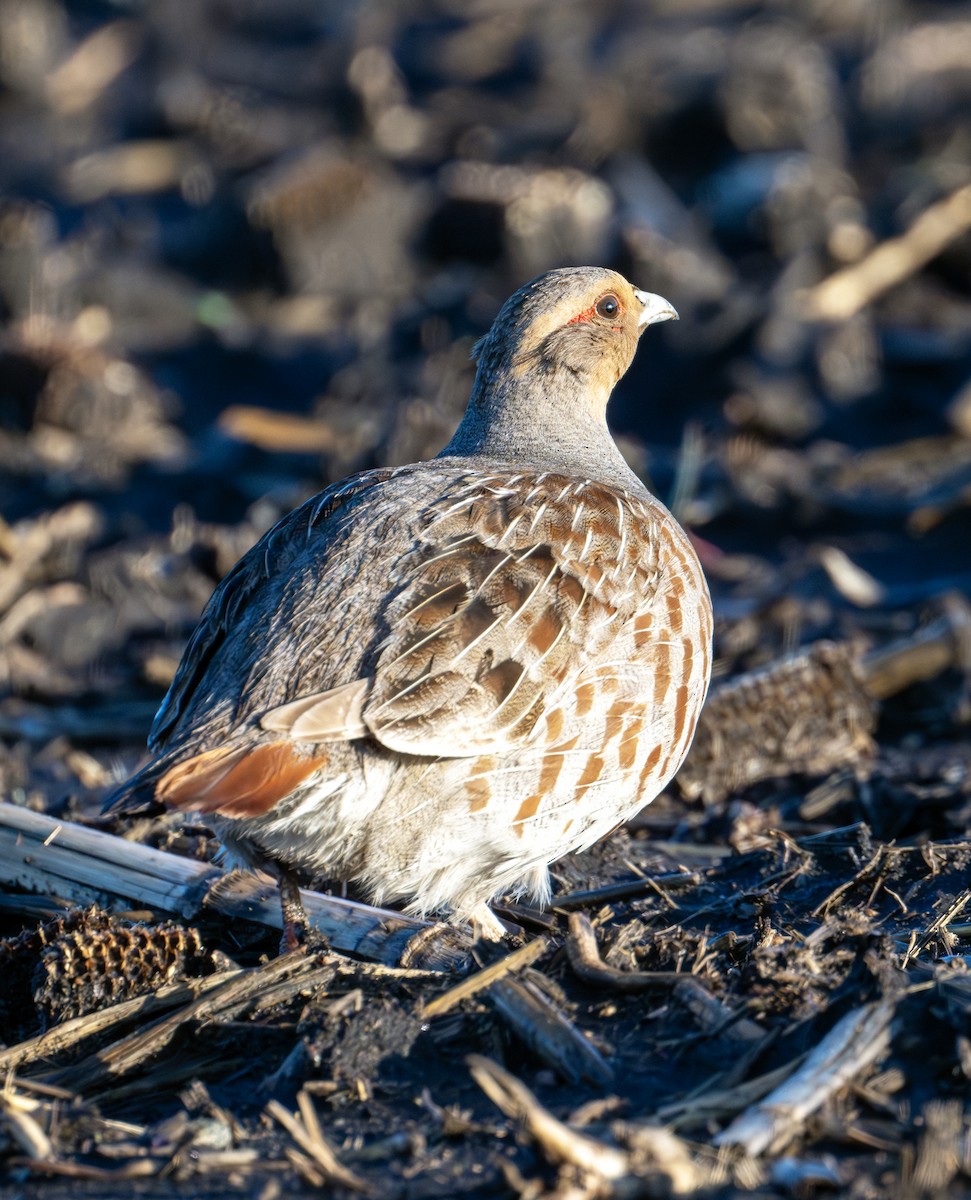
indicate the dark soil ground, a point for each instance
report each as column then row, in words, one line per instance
column 245, row 249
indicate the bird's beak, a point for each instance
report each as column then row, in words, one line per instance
column 656, row 308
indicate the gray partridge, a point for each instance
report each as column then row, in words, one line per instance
column 438, row 679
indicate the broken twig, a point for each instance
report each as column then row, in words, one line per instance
column 852, row 1045
column 486, row 977
column 584, row 956
column 846, row 291
column 563, row 1144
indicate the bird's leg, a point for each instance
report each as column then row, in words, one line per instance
column 296, row 924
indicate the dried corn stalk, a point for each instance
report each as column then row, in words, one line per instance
column 105, row 960
column 807, row 714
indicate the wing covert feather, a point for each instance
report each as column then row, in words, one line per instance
column 516, row 583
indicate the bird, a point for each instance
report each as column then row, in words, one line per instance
column 432, row 681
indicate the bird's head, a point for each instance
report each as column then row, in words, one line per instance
column 582, row 322
column 547, row 367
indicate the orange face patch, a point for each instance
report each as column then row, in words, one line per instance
column 588, row 314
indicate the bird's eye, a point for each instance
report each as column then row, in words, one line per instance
column 608, row 306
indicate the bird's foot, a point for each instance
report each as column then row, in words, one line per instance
column 485, row 924
column 297, row 930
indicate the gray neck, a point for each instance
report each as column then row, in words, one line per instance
column 517, row 424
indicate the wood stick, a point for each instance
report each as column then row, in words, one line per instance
column 666, row 1154
column 699, row 1109
column 626, row 890
column 547, row 1032
column 277, row 431
column 584, row 955
column 486, row 977
column 943, row 643
column 848, row 290
column 239, row 990
column 560, row 1143
column 858, row 1040
column 312, row 1142
column 25, row 1131
column 135, row 1168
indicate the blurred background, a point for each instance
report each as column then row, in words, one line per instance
column 245, row 248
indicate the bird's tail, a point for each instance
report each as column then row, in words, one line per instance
column 137, row 796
